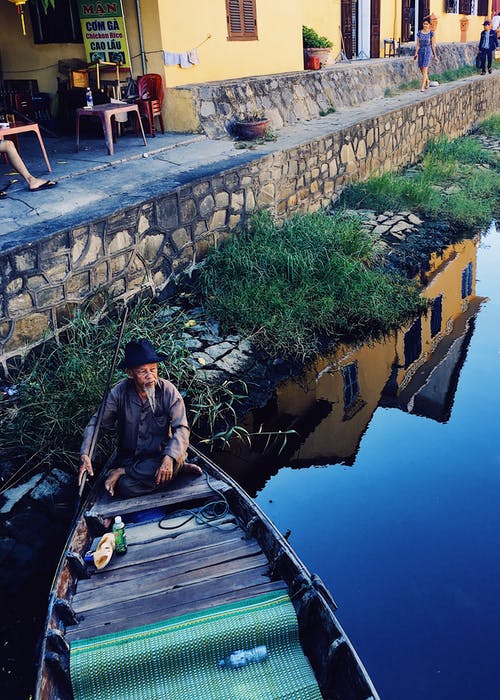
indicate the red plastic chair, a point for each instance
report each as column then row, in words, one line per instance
column 150, row 88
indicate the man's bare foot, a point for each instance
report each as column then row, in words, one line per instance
column 113, row 477
column 190, row 468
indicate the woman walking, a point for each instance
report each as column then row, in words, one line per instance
column 425, row 46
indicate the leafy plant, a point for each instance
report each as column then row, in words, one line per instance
column 312, row 40
column 255, row 116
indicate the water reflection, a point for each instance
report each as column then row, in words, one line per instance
column 331, row 404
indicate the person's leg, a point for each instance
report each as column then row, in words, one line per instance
column 490, row 60
column 483, row 61
column 17, row 163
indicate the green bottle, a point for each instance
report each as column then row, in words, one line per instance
column 120, row 536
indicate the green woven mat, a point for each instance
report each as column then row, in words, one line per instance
column 178, row 659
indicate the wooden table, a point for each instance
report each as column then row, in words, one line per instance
column 105, row 113
column 20, row 128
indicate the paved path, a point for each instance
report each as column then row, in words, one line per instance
column 93, row 184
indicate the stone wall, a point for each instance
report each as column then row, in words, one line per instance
column 290, row 98
column 152, row 241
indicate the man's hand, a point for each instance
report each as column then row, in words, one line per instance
column 165, row 471
column 85, row 468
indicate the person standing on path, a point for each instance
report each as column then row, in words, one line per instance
column 487, row 44
column 495, row 24
column 425, row 45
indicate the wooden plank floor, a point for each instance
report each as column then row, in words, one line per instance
column 166, row 573
column 184, row 489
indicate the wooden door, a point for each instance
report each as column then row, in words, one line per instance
column 408, row 21
column 346, row 26
column 375, row 29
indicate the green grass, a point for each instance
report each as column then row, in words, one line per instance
column 456, row 181
column 296, row 285
column 491, row 126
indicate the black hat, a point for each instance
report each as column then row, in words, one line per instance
column 140, row 352
column 486, row 22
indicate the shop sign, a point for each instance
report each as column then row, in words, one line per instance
column 104, row 32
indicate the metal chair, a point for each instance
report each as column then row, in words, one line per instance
column 150, row 101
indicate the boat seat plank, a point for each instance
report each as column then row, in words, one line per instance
column 162, row 606
column 192, row 541
column 162, row 581
column 184, row 490
column 166, row 562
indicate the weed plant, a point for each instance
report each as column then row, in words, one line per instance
column 456, row 181
column 309, row 281
column 60, row 385
column 491, row 126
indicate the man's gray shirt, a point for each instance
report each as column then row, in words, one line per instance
column 140, row 432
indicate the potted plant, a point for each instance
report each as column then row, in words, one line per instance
column 315, row 46
column 251, row 126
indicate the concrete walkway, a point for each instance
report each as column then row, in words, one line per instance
column 93, row 184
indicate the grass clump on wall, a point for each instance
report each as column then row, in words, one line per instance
column 456, row 181
column 302, row 285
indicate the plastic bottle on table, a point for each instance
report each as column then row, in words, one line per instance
column 88, row 98
column 242, row 657
column 120, row 536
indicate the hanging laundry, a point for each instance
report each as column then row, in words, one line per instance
column 185, row 59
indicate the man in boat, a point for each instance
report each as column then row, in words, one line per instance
column 150, row 419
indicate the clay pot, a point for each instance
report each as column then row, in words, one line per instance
column 248, row 131
column 322, row 54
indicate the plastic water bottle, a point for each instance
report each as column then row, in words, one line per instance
column 88, row 98
column 243, row 657
column 120, row 536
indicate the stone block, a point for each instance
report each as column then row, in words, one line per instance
column 19, row 304
column 234, row 220
column 118, row 265
column 78, row 284
column 266, row 195
column 119, row 241
column 100, row 274
column 50, row 296
column 237, row 200
column 180, row 238
column 221, row 199
column 187, row 211
column 125, row 220
column 167, row 212
column 150, row 246
column 201, row 189
column 25, row 261
column 56, row 269
column 53, row 247
column 207, row 205
column 218, row 219
column 27, row 330
column 14, row 285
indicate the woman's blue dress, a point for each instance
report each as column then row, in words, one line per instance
column 424, row 49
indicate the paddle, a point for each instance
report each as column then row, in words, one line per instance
column 100, row 413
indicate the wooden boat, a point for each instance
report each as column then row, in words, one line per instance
column 170, row 577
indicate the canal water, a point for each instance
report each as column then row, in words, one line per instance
column 391, row 486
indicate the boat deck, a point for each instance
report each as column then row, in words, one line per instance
column 170, row 572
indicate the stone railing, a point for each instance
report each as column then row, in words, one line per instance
column 290, row 98
column 150, row 242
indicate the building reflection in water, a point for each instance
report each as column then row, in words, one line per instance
column 330, row 405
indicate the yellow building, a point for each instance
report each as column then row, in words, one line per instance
column 199, row 41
